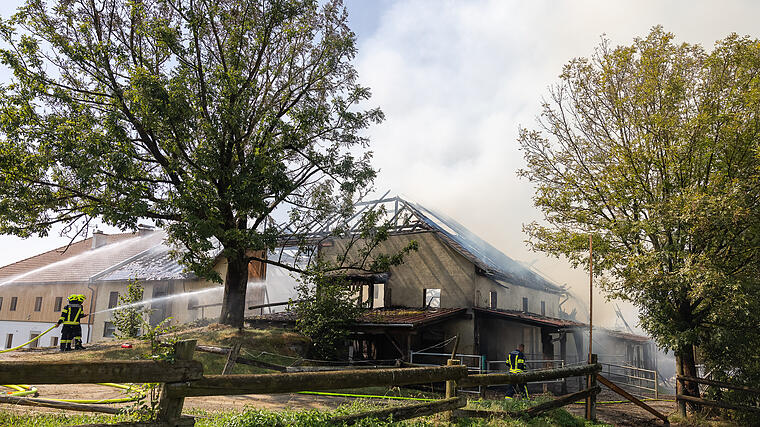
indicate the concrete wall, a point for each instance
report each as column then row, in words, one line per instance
column 22, row 330
column 510, row 296
column 435, row 265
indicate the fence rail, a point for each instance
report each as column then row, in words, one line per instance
column 184, row 378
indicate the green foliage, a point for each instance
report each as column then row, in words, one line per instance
column 652, row 149
column 205, row 117
column 325, row 310
column 130, row 317
column 145, row 404
column 160, row 348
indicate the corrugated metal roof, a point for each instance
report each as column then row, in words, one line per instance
column 80, row 263
column 153, row 264
column 408, row 316
column 530, row 318
column 379, row 316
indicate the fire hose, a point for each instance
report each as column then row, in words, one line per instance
column 30, row 341
column 23, row 390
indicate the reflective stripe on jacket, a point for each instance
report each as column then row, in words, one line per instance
column 516, row 361
column 71, row 314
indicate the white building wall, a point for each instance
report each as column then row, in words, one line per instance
column 22, row 332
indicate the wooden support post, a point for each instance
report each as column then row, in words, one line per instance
column 591, row 384
column 451, row 386
column 656, row 386
column 170, row 407
column 231, row 358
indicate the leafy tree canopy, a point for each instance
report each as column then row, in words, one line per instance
column 653, row 149
column 205, row 116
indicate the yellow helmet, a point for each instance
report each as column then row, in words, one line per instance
column 81, row 297
column 74, row 297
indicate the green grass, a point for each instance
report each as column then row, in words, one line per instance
column 250, row 417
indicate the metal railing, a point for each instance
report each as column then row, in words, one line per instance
column 644, row 381
column 475, row 363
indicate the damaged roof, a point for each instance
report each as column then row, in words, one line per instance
column 492, row 262
column 80, row 262
column 153, row 264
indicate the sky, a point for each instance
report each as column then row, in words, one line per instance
column 456, row 80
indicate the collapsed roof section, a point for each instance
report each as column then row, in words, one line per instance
column 408, row 217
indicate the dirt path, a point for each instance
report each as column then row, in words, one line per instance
column 627, row 414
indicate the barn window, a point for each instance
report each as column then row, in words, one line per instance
column 432, row 298
column 33, row 335
column 113, row 299
column 543, row 308
column 9, row 341
column 58, row 303
column 14, row 301
column 38, row 304
column 525, row 304
column 1, row 303
column 108, row 329
column 493, row 300
column 54, row 341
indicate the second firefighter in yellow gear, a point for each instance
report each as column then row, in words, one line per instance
column 71, row 316
column 516, row 365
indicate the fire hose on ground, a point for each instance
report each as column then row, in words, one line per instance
column 24, row 390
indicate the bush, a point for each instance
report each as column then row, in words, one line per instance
column 129, row 317
column 325, row 311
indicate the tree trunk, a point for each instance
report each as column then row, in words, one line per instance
column 233, row 303
column 685, row 365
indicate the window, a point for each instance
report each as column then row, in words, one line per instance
column 525, row 304
column 54, row 341
column 109, row 329
column 37, row 304
column 1, row 303
column 379, row 296
column 492, row 301
column 9, row 341
column 58, row 303
column 14, row 301
column 432, row 298
column 543, row 308
column 113, row 299
column 34, row 344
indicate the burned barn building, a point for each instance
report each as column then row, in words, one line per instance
column 458, row 285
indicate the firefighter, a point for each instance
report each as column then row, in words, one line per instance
column 70, row 317
column 516, row 364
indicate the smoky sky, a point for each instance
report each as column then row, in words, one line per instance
column 456, row 80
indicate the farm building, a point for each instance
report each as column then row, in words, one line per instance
column 457, row 284
column 34, row 290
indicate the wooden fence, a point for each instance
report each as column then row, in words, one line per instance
column 184, row 378
column 683, row 399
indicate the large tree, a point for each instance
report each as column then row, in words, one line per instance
column 652, row 149
column 208, row 117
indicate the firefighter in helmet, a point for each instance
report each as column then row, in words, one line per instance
column 516, row 364
column 70, row 318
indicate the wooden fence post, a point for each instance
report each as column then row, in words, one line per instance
column 170, row 408
column 591, row 399
column 231, row 359
column 451, row 389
